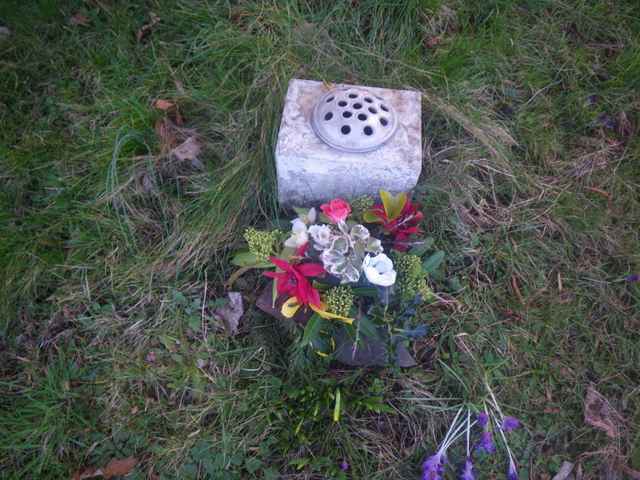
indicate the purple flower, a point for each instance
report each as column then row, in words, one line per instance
column 486, row 444
column 482, row 418
column 633, row 278
column 512, row 472
column 433, row 467
column 467, row 470
column 344, row 466
column 509, row 424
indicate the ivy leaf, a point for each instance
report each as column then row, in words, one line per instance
column 422, row 248
column 432, row 263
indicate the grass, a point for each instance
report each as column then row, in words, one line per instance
column 112, row 252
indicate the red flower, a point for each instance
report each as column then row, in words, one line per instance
column 337, row 210
column 293, row 281
column 301, row 251
column 401, row 227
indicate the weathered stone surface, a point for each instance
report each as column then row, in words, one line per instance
column 309, row 171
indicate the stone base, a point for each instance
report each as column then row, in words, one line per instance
column 310, row 172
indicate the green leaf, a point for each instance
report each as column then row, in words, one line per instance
column 248, row 259
column 301, row 212
column 195, row 322
column 421, row 249
column 252, row 464
column 393, row 205
column 370, row 292
column 312, row 330
column 367, row 327
column 271, row 474
column 370, row 217
column 432, row 263
column 337, row 406
column 324, row 219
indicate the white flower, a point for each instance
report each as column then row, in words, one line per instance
column 299, row 235
column 379, row 270
column 310, row 217
column 321, row 235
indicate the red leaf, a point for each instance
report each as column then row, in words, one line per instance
column 164, row 105
column 79, row 19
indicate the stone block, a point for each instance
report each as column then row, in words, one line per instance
column 309, row 171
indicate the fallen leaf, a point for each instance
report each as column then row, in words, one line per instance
column 79, row 19
column 164, row 105
column 231, row 313
column 119, row 467
column 166, row 131
column 516, row 289
column 432, row 42
column 599, row 413
column 115, row 468
column 146, row 28
column 565, row 470
column 187, row 150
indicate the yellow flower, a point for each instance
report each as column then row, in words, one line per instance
column 291, row 306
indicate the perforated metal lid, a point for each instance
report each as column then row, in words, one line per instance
column 353, row 120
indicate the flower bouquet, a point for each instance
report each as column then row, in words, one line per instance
column 350, row 276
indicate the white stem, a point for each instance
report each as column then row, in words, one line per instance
column 458, row 434
column 493, row 398
column 504, row 438
column 468, row 430
column 452, row 425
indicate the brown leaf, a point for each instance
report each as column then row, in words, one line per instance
column 79, row 19
column 164, row 105
column 599, row 413
column 166, row 131
column 119, row 467
column 187, row 150
column 87, row 473
column 432, row 42
column 115, row 468
column 231, row 313
column 146, row 28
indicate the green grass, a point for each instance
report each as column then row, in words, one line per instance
column 108, row 247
